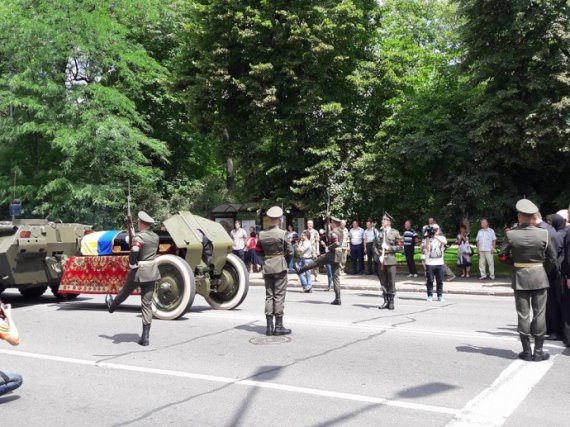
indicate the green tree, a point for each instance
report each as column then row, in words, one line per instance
column 518, row 58
column 278, row 86
column 74, row 88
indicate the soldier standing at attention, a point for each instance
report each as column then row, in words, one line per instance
column 333, row 256
column 275, row 246
column 387, row 245
column 527, row 249
column 143, row 273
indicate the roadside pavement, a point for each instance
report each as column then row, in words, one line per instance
column 501, row 286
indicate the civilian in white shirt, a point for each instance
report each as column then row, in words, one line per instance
column 486, row 242
column 356, row 236
column 239, row 236
column 370, row 235
column 305, row 251
column 434, row 247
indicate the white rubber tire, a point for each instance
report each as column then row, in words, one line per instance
column 189, row 291
column 235, row 262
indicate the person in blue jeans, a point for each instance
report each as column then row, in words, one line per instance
column 9, row 333
column 434, row 248
column 305, row 251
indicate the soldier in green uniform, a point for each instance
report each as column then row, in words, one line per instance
column 386, row 246
column 527, row 249
column 275, row 246
column 143, row 273
column 332, row 256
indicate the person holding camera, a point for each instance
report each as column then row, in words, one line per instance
column 9, row 333
column 434, row 247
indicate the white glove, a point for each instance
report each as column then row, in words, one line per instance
column 381, row 259
column 385, row 246
column 133, row 266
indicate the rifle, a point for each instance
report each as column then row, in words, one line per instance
column 383, row 250
column 130, row 226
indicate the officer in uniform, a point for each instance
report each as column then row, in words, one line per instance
column 274, row 245
column 386, row 246
column 332, row 256
column 527, row 248
column 143, row 273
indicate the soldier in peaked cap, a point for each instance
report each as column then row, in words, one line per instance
column 274, row 245
column 527, row 249
column 332, row 256
column 143, row 273
column 386, row 246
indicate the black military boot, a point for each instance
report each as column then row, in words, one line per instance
column 336, row 300
column 279, row 329
column 109, row 302
column 385, row 305
column 539, row 353
column 144, row 337
column 390, row 302
column 526, row 354
column 309, row 265
column 269, row 330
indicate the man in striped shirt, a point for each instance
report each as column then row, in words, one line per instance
column 410, row 241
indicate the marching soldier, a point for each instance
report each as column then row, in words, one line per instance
column 386, row 245
column 332, row 256
column 527, row 249
column 143, row 273
column 275, row 246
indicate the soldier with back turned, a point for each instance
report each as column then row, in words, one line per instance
column 527, row 248
column 274, row 245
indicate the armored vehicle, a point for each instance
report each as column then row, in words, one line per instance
column 194, row 257
column 34, row 252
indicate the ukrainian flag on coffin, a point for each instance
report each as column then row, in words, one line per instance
column 98, row 243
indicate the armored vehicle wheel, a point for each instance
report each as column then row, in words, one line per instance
column 33, row 292
column 55, row 292
column 234, row 287
column 174, row 292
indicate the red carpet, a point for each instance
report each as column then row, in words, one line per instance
column 95, row 275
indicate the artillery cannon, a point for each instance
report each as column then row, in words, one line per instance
column 194, row 257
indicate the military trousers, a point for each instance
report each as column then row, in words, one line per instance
column 147, row 290
column 554, row 321
column 525, row 301
column 275, row 291
column 387, row 275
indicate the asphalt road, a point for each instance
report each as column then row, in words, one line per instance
column 423, row 364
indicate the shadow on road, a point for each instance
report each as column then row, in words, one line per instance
column 502, row 332
column 488, row 351
column 18, row 301
column 8, row 398
column 74, row 306
column 121, row 338
column 252, row 327
column 313, row 302
column 425, row 390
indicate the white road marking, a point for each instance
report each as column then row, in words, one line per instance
column 494, row 405
column 237, row 381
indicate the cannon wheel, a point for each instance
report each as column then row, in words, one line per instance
column 174, row 292
column 34, row 292
column 234, row 287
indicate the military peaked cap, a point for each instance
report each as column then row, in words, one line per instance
column 526, row 207
column 387, row 216
column 275, row 212
column 144, row 217
column 335, row 219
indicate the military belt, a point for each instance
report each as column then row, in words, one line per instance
column 148, row 262
column 528, row 264
column 274, row 255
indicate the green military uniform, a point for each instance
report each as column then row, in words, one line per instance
column 275, row 246
column 143, row 274
column 527, row 249
column 334, row 256
column 387, row 262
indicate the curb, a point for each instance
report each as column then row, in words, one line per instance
column 405, row 288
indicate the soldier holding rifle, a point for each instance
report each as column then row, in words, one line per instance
column 386, row 246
